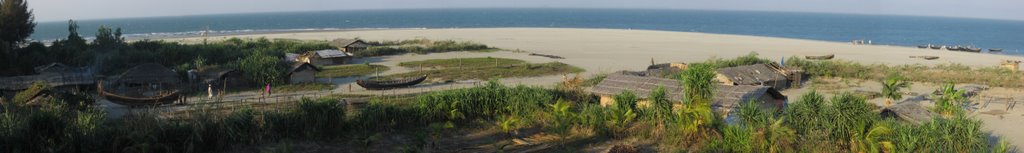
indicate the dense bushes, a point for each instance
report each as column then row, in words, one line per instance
column 420, row 46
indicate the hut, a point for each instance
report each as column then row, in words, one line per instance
column 302, row 73
column 665, row 69
column 219, row 78
column 291, row 57
column 757, row 74
column 152, row 75
column 727, row 98
column 1013, row 65
column 56, row 75
column 326, row 57
column 349, row 45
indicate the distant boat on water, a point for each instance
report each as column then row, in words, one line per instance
column 995, row 50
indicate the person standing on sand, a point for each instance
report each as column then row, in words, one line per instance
column 209, row 91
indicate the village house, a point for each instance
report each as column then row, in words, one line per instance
column 326, row 57
column 302, row 73
column 216, row 78
column 148, row 79
column 770, row 74
column 727, row 98
column 56, row 75
column 350, row 45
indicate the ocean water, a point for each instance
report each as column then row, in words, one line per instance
column 887, row 30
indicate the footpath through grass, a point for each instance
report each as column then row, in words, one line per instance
column 482, row 69
column 341, row 71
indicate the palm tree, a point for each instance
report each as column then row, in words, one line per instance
column 698, row 89
column 891, row 88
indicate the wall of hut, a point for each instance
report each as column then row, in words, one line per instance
column 304, row 76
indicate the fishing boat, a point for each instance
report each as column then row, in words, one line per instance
column 936, row 47
column 995, row 50
column 390, row 84
column 971, row 49
column 822, row 57
column 926, row 57
column 954, row 48
column 922, row 46
column 164, row 98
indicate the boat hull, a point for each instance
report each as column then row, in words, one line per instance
column 391, row 84
column 168, row 98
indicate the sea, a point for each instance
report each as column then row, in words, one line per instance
column 879, row 29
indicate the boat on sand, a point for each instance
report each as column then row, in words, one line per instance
column 370, row 84
column 821, row 57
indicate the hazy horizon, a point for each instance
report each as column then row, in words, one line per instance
column 58, row 10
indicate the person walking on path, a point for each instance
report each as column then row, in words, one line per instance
column 209, row 91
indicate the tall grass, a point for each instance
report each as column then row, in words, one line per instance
column 943, row 73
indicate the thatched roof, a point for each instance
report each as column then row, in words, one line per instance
column 733, row 96
column 909, row 111
column 330, row 53
column 53, row 79
column 149, row 73
column 302, row 66
column 342, row 43
column 614, row 84
column 214, row 74
column 752, row 74
column 725, row 96
column 56, row 68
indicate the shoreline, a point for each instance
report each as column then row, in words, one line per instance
column 589, row 48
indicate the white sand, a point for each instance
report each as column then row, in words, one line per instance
column 609, row 50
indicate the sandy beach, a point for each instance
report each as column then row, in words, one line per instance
column 606, row 50
column 609, row 50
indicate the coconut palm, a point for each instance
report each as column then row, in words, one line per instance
column 891, row 88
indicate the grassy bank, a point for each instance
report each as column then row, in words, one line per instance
column 352, row 70
column 482, row 69
column 944, row 73
column 812, row 124
column 421, row 46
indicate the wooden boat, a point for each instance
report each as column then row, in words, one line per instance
column 954, row 48
column 165, row 98
column 995, row 50
column 936, row 47
column 390, row 84
column 971, row 49
column 822, row 57
column 922, row 46
column 926, row 57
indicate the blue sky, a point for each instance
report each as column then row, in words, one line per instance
column 58, row 10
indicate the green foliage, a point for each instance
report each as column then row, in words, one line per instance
column 698, row 84
column 341, row 71
column 891, row 87
column 24, row 96
column 482, row 69
column 942, row 73
column 749, row 59
column 420, row 46
column 17, row 21
column 951, row 102
column 105, row 38
column 263, row 68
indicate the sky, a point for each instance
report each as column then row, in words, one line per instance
column 61, row 10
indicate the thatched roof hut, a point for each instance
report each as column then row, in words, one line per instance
column 214, row 75
column 56, row 68
column 726, row 97
column 757, row 74
column 150, row 73
column 349, row 45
